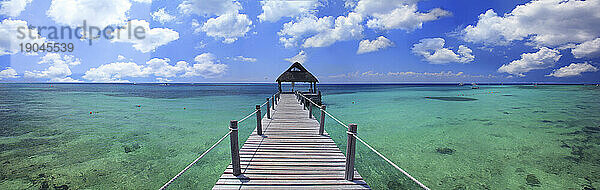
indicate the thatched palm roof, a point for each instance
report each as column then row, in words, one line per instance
column 297, row 73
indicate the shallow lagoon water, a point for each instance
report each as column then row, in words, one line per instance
column 503, row 137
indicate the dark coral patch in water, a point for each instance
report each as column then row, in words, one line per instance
column 591, row 130
column 532, row 180
column 449, row 98
column 445, row 150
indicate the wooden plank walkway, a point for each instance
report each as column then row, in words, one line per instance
column 290, row 155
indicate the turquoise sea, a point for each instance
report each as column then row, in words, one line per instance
column 125, row 136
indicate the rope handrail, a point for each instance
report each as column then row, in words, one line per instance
column 321, row 108
column 194, row 162
column 316, row 105
column 337, row 120
column 248, row 116
column 391, row 163
column 264, row 104
column 207, row 151
column 369, row 146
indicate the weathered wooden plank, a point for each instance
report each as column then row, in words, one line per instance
column 284, row 177
column 300, row 187
column 289, row 182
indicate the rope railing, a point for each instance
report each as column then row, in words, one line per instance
column 353, row 134
column 248, row 116
column 232, row 129
column 194, row 162
column 391, row 163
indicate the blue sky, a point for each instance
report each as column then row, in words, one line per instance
column 338, row 41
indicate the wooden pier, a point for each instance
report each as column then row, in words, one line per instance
column 287, row 151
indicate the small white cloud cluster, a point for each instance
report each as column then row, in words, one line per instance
column 589, row 49
column 432, row 49
column 396, row 14
column 13, row 8
column 300, row 58
column 162, row 16
column 543, row 59
column 95, row 13
column 321, row 32
column 244, row 59
column 153, row 37
column 367, row 46
column 59, row 68
column 206, row 66
column 229, row 23
column 575, row 69
column 273, row 10
column 8, row 73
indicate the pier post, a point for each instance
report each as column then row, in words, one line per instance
column 258, row 121
column 268, row 109
column 273, row 99
column 322, row 123
column 304, row 102
column 310, row 110
column 235, row 149
column 350, row 151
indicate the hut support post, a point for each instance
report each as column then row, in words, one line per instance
column 279, row 86
column 350, row 151
column 235, row 149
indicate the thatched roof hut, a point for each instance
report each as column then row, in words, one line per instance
column 297, row 73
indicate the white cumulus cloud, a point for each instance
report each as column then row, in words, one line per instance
column 115, row 72
column 575, row 69
column 95, row 13
column 367, row 46
column 397, row 14
column 162, row 16
column 153, row 38
column 206, row 66
column 228, row 26
column 549, row 23
column 544, row 58
column 59, row 69
column 590, row 49
column 432, row 49
column 8, row 73
column 161, row 67
column 273, row 10
column 13, row 8
column 229, row 23
column 300, row 58
column 321, row 32
column 10, row 37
